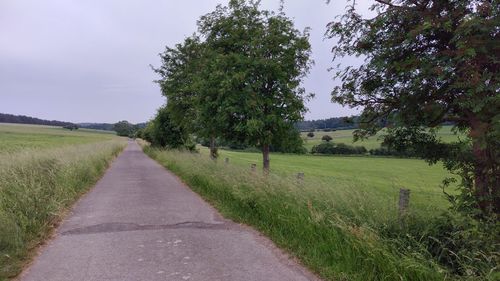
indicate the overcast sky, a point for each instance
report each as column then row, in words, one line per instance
column 88, row 60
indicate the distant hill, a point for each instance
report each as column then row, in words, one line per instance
column 22, row 119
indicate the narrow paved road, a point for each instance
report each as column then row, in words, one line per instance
column 141, row 223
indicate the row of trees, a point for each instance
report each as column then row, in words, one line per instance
column 334, row 123
column 237, row 79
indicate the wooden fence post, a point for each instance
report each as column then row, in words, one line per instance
column 300, row 178
column 253, row 167
column 404, row 201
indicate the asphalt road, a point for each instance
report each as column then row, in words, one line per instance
column 140, row 222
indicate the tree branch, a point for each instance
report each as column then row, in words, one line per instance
column 387, row 2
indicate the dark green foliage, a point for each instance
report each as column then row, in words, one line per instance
column 334, row 123
column 429, row 62
column 288, row 142
column 268, row 58
column 239, row 80
column 71, row 127
column 124, row 129
column 22, row 119
column 162, row 132
column 331, row 148
column 326, row 138
column 97, row 126
column 384, row 151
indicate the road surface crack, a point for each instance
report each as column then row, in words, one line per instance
column 120, row 227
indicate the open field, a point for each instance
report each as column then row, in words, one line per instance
column 342, row 220
column 345, row 136
column 43, row 170
column 381, row 175
column 16, row 137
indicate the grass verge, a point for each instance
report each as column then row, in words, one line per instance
column 337, row 230
column 36, row 186
column 330, row 230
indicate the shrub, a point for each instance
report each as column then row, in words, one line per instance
column 384, row 151
column 326, row 138
column 330, row 148
column 310, row 134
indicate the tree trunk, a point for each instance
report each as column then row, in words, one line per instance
column 213, row 149
column 265, row 157
column 486, row 171
column 486, row 179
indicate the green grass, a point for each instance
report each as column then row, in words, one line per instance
column 382, row 175
column 341, row 221
column 43, row 171
column 17, row 137
column 345, row 136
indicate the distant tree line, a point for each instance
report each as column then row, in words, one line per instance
column 334, row 123
column 111, row 126
column 22, row 119
column 97, row 126
column 127, row 129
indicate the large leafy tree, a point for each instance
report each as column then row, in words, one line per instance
column 193, row 81
column 124, row 128
column 429, row 62
column 177, row 73
column 259, row 60
column 162, row 131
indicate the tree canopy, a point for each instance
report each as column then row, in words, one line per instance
column 124, row 128
column 429, row 62
column 240, row 77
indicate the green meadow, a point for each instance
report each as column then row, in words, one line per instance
column 18, row 137
column 381, row 175
column 345, row 136
column 43, row 171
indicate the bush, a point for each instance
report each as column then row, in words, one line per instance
column 163, row 132
column 310, row 134
column 384, row 151
column 71, row 127
column 330, row 148
column 326, row 138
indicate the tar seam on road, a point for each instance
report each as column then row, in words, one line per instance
column 119, row 227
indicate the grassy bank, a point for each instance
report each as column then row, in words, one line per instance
column 342, row 230
column 38, row 185
column 381, row 176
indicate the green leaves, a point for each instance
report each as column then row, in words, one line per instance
column 428, row 62
column 239, row 78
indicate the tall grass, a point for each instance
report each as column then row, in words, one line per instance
column 36, row 186
column 340, row 231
